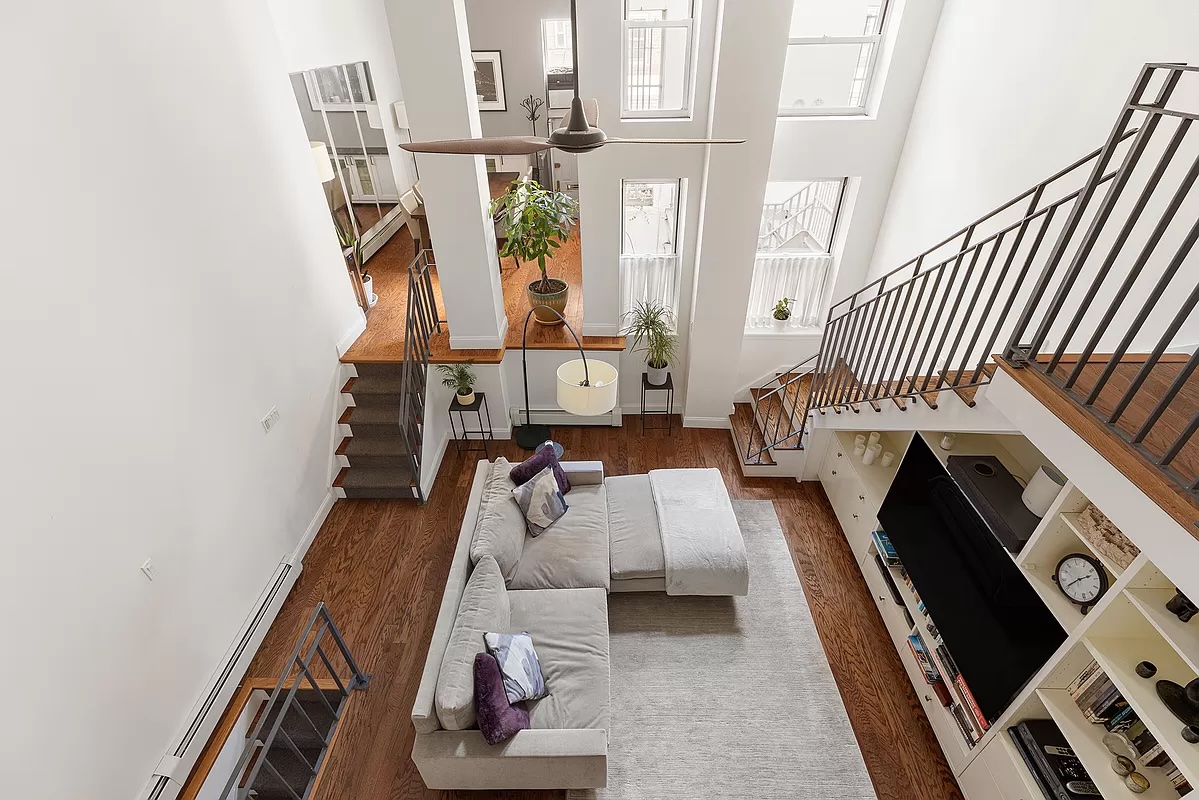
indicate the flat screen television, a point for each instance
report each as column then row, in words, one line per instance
column 994, row 625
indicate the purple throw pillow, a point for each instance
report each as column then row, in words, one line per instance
column 498, row 720
column 526, row 470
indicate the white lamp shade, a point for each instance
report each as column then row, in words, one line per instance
column 320, row 160
column 401, row 112
column 373, row 117
column 587, row 401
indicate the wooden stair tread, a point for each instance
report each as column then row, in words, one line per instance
column 929, row 397
column 966, row 393
column 773, row 408
column 743, row 426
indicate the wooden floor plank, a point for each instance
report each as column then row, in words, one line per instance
column 381, row 566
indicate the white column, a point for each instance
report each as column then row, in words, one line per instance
column 751, row 49
column 432, row 50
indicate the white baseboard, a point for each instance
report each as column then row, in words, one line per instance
column 516, row 416
column 477, row 342
column 351, row 335
column 431, row 468
column 601, row 329
column 721, row 423
column 314, row 527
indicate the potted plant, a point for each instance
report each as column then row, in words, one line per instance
column 536, row 222
column 782, row 312
column 462, row 379
column 652, row 327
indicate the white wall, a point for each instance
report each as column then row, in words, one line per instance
column 195, row 283
column 322, row 33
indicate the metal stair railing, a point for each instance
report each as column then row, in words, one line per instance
column 932, row 324
column 283, row 698
column 422, row 322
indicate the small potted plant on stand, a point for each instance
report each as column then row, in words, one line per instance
column 652, row 327
column 782, row 313
column 461, row 378
column 367, row 283
column 537, row 221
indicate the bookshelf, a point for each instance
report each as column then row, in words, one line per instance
column 1129, row 624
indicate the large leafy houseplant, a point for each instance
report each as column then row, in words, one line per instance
column 461, row 378
column 651, row 324
column 536, row 222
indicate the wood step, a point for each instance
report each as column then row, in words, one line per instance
column 913, row 383
column 771, row 409
column 966, row 393
column 742, row 424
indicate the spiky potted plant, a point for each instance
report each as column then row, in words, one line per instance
column 536, row 222
column 782, row 312
column 651, row 325
column 461, row 378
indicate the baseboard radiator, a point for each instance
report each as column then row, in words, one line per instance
column 172, row 771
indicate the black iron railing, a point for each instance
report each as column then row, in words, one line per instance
column 1022, row 277
column 423, row 321
column 270, row 745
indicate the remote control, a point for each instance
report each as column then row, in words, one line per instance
column 1082, row 787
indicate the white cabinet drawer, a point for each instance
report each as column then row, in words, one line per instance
column 891, row 613
column 1008, row 769
column 977, row 783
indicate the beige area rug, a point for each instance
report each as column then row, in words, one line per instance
column 717, row 697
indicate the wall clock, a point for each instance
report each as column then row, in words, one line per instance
column 1081, row 579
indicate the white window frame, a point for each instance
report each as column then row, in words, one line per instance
column 687, row 24
column 314, row 97
column 676, row 242
column 867, row 79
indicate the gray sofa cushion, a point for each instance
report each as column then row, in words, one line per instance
column 484, row 607
column 636, row 541
column 573, row 552
column 500, row 530
column 570, row 631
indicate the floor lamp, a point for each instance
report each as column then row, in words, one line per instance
column 584, row 388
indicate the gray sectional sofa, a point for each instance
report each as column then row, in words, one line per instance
column 555, row 587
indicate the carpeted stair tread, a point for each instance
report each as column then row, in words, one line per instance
column 378, row 370
column 398, row 475
column 375, row 385
column 295, row 772
column 373, row 446
column 373, row 415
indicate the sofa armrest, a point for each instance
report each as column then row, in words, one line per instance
column 532, row 759
column 584, row 473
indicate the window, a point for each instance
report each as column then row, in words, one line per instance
column 346, row 87
column 559, row 56
column 831, row 56
column 649, row 250
column 657, row 58
column 794, row 260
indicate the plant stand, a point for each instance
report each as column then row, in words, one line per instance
column 463, row 443
column 667, row 387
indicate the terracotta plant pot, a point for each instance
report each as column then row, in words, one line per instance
column 656, row 375
column 555, row 299
column 465, row 399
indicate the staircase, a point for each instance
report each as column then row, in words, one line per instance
column 806, row 215
column 1082, row 284
column 383, row 423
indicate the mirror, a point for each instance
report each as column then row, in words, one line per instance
column 342, row 119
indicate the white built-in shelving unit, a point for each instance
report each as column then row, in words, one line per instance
column 1128, row 625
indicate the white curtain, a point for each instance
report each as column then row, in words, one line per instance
column 649, row 278
column 797, row 276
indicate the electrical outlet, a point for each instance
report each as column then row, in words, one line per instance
column 148, row 569
column 270, row 419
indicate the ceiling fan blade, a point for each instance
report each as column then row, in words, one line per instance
column 492, row 146
column 617, row 140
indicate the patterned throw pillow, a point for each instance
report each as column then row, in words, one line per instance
column 529, row 468
column 518, row 662
column 541, row 501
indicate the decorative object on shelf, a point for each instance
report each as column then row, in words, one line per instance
column 1082, row 579
column 1174, row 697
column 859, row 445
column 948, row 440
column 1123, row 765
column 874, row 438
column 1042, row 490
column 537, row 221
column 888, row 459
column 1190, row 734
column 461, row 378
column 1106, row 538
column 585, row 388
column 1180, row 606
column 872, row 452
column 652, row 326
column 489, row 80
column 532, row 104
column 1146, row 669
column 1136, row 782
column 1119, row 745
column 996, row 495
column 782, row 313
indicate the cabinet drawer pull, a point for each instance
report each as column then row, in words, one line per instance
column 881, row 599
column 834, row 472
column 861, row 497
column 839, row 454
column 855, row 516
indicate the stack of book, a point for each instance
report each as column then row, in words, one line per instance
column 950, row 687
column 1102, row 704
column 903, row 575
column 885, row 548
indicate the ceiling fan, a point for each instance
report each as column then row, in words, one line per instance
column 577, row 135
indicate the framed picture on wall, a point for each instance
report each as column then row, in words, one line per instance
column 489, row 80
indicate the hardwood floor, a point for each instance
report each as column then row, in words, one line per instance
column 381, row 566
